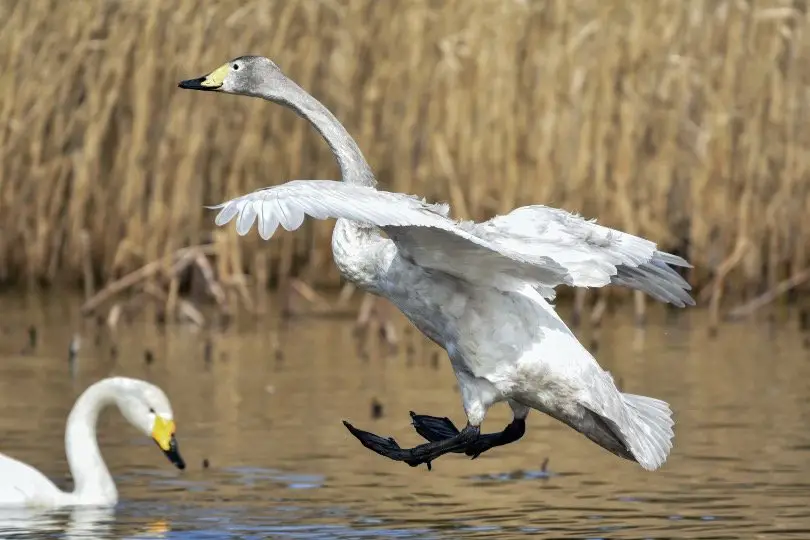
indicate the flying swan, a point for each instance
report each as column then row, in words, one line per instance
column 479, row 290
column 144, row 405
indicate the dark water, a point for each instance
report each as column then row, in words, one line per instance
column 283, row 466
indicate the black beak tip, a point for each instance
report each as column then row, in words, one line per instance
column 190, row 84
column 174, row 455
column 195, row 84
column 176, row 459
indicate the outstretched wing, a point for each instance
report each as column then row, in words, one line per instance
column 542, row 246
column 421, row 231
column 591, row 254
column 287, row 204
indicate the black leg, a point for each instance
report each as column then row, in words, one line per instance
column 433, row 428
column 424, row 453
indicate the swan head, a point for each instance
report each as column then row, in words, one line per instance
column 147, row 408
column 246, row 75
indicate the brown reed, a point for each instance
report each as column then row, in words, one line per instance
column 680, row 120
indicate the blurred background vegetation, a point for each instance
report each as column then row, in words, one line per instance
column 680, row 120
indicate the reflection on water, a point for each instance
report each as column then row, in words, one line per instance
column 281, row 465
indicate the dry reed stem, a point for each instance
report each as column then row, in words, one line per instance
column 185, row 307
column 658, row 118
column 213, row 285
column 769, row 296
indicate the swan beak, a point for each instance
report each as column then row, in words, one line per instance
column 163, row 434
column 212, row 81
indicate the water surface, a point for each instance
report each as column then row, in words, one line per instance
column 281, row 464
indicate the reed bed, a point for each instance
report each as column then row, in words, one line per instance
column 681, row 120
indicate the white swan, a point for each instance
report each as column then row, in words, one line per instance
column 144, row 405
column 479, row 290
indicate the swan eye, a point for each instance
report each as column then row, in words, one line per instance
column 236, row 67
column 151, row 410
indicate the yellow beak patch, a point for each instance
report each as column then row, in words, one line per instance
column 216, row 77
column 162, row 432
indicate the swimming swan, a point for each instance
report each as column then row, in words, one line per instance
column 144, row 405
column 479, row 290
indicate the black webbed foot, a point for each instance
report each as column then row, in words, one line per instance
column 424, row 453
column 434, row 428
column 387, row 447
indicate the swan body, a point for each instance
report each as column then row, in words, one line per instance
column 481, row 291
column 143, row 404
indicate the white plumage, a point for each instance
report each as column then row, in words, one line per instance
column 479, row 290
column 536, row 245
column 141, row 403
column 545, row 246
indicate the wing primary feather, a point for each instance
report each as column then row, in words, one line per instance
column 247, row 216
column 229, row 210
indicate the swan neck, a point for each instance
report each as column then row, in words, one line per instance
column 354, row 168
column 91, row 477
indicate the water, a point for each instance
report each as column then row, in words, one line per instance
column 283, row 466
